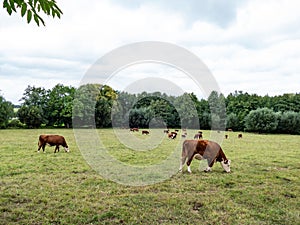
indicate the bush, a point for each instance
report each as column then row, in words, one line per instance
column 289, row 123
column 15, row 123
column 262, row 120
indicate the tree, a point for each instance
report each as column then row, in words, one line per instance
column 84, row 103
column 33, row 109
column 59, row 106
column 6, row 112
column 104, row 104
column 187, row 111
column 217, row 109
column 31, row 115
column 233, row 121
column 289, row 123
column 33, row 8
column 262, row 120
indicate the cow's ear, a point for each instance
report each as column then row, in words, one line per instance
column 226, row 161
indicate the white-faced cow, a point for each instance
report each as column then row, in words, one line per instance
column 203, row 149
column 198, row 136
column 172, row 135
column 52, row 140
column 145, row 132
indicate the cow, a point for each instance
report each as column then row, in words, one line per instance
column 203, row 149
column 166, row 131
column 172, row 135
column 134, row 129
column 226, row 136
column 229, row 129
column 145, row 132
column 52, row 140
column 240, row 135
column 198, row 136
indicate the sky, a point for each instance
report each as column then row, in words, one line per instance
column 247, row 45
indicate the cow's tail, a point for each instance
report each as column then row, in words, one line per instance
column 39, row 142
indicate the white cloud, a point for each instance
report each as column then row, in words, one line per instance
column 254, row 46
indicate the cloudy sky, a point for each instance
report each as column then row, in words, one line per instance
column 253, row 46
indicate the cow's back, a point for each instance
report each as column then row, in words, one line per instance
column 53, row 139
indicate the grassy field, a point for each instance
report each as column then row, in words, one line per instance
column 37, row 188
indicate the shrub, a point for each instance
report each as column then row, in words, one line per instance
column 262, row 120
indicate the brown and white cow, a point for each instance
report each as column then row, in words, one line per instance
column 145, row 132
column 198, row 136
column 203, row 149
column 172, row 135
column 52, row 140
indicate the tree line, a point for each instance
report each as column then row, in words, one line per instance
column 103, row 107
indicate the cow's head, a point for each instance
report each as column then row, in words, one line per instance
column 66, row 148
column 226, row 165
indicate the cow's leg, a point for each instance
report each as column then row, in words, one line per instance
column 182, row 162
column 190, row 159
column 56, row 148
column 43, row 147
column 210, row 163
column 39, row 148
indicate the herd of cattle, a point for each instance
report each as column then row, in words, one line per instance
column 197, row 148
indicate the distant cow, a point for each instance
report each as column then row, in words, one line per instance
column 203, row 149
column 226, row 136
column 166, row 131
column 198, row 136
column 134, row 129
column 145, row 132
column 240, row 135
column 172, row 135
column 52, row 140
column 229, row 129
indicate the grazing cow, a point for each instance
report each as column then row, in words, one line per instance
column 240, row 135
column 198, row 136
column 52, row 140
column 166, row 131
column 184, row 135
column 226, row 136
column 203, row 149
column 172, row 135
column 134, row 129
column 145, row 132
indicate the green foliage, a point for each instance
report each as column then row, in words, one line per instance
column 233, row 122
column 262, row 120
column 84, row 104
column 101, row 106
column 31, row 115
column 59, row 106
column 6, row 112
column 33, row 8
column 15, row 123
column 289, row 123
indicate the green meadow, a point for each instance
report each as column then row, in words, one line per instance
column 61, row 188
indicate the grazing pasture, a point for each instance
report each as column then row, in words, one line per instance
column 61, row 188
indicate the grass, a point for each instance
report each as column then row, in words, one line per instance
column 61, row 188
